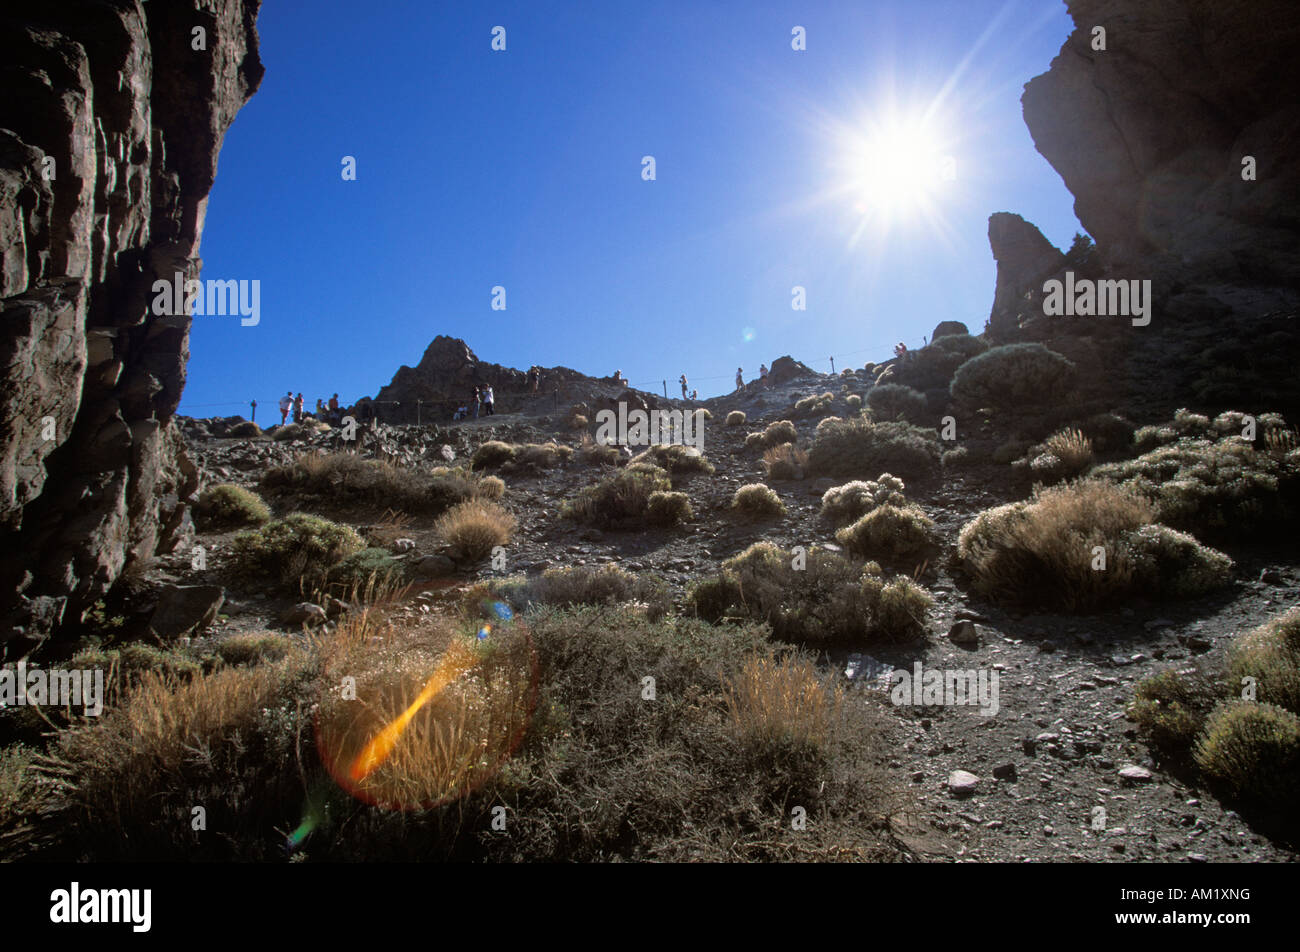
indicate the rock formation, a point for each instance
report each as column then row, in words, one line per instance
column 1150, row 135
column 112, row 119
column 1025, row 258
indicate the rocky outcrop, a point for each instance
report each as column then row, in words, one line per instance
column 1150, row 135
column 1025, row 258
column 449, row 371
column 110, row 126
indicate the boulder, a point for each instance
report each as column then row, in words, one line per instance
column 184, row 609
column 947, row 329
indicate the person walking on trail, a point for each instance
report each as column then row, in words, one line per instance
column 297, row 409
column 740, row 378
column 334, row 408
column 286, row 404
column 478, row 401
column 682, row 378
column 762, row 374
column 489, row 401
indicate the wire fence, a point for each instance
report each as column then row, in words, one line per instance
column 834, row 363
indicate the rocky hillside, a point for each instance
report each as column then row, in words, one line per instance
column 110, row 127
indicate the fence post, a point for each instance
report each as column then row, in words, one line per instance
column 665, row 389
column 832, row 365
column 253, row 404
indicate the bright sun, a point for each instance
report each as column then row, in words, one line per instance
column 897, row 168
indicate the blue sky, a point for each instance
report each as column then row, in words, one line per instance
column 523, row 169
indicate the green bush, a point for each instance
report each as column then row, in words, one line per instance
column 757, row 500
column 851, row 501
column 368, row 567
column 1013, row 377
column 1252, row 752
column 1270, row 654
column 893, row 401
column 933, row 366
column 860, row 448
column 1215, row 488
column 890, row 534
column 821, row 598
column 228, row 506
column 587, row 585
column 668, row 508
column 297, row 548
column 620, row 498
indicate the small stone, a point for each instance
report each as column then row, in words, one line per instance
column 1005, row 772
column 402, row 546
column 963, row 632
column 962, row 783
column 304, row 613
column 1135, row 774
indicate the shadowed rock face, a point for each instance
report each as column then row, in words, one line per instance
column 110, row 128
column 1150, row 135
column 1024, row 259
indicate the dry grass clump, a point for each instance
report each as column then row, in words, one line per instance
column 591, row 452
column 676, row 459
column 1072, row 448
column 536, row 457
column 812, row 406
column 736, row 418
column 619, row 499
column 1045, row 549
column 492, row 454
column 587, row 585
column 782, row 701
column 257, row 647
column 757, row 500
column 294, row 551
column 812, row 596
column 229, row 506
column 782, row 431
column 473, row 529
column 853, row 500
column 858, row 448
column 292, row 432
column 668, row 509
column 786, row 461
column 854, row 402
column 890, row 534
column 367, row 568
column 345, row 480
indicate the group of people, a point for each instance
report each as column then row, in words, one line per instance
column 329, row 412
column 484, row 402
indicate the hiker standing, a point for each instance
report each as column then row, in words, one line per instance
column 900, row 349
column 740, row 378
column 682, row 379
column 478, row 400
column 489, row 400
column 535, row 378
column 286, row 404
column 297, row 409
column 762, row 373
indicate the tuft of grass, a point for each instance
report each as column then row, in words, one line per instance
column 258, row 647
column 228, row 506
column 786, row 461
column 1072, row 448
column 1045, row 549
column 473, row 529
column 736, row 418
column 757, row 500
column 780, row 702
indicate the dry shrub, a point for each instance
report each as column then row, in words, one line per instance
column 784, row 462
column 676, row 459
column 1072, row 448
column 782, row 702
column 473, row 529
column 782, row 431
column 491, row 454
column 390, row 527
column 894, row 401
column 1251, row 751
column 858, row 448
column 592, row 452
column 757, row 500
column 253, row 648
column 812, row 406
column 853, row 500
column 618, row 499
column 668, row 509
column 1046, row 548
column 1270, row 654
column 296, row 550
column 346, row 480
column 587, row 585
column 736, row 418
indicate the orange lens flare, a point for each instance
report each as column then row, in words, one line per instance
column 454, row 663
